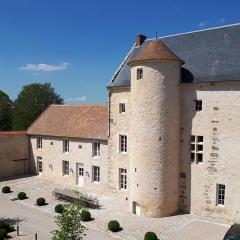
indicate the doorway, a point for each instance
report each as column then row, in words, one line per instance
column 80, row 174
column 136, row 208
column 39, row 165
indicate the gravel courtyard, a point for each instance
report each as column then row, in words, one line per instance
column 134, row 227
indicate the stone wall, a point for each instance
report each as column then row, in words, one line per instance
column 80, row 152
column 14, row 152
column 219, row 124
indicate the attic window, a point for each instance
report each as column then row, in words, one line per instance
column 139, row 73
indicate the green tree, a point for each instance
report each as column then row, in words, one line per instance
column 5, row 112
column 31, row 102
column 69, row 223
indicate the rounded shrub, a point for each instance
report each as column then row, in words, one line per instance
column 150, row 236
column 114, row 226
column 59, row 208
column 22, row 195
column 41, row 201
column 3, row 234
column 4, row 225
column 85, row 216
column 6, row 189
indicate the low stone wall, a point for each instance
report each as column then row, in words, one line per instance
column 14, row 154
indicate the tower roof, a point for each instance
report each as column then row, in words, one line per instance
column 156, row 50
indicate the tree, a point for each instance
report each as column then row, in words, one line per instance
column 5, row 112
column 31, row 102
column 69, row 223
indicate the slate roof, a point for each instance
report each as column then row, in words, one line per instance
column 211, row 55
column 76, row 121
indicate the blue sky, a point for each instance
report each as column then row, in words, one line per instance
column 78, row 44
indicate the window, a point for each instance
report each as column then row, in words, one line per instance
column 65, row 145
column 198, row 105
column 96, row 149
column 123, row 178
column 65, row 167
column 122, row 108
column 139, row 73
column 122, row 143
column 197, row 149
column 39, row 165
column 96, row 174
column 39, row 142
column 80, row 171
column 220, row 194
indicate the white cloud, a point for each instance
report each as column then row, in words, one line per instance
column 45, row 67
column 212, row 22
column 77, row 99
column 222, row 20
column 202, row 24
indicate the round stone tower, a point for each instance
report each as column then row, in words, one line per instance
column 154, row 131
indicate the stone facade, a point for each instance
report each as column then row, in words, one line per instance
column 79, row 155
column 14, row 155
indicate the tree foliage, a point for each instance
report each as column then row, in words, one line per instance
column 69, row 223
column 31, row 102
column 5, row 112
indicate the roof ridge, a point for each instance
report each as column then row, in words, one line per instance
column 196, row 31
column 78, row 105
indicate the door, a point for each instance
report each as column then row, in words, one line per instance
column 39, row 165
column 80, row 171
column 136, row 208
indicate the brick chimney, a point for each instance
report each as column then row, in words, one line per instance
column 140, row 39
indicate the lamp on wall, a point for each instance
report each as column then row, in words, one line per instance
column 50, row 166
column 71, row 170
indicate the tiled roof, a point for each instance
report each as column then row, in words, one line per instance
column 211, row 55
column 76, row 121
column 13, row 133
column 156, row 50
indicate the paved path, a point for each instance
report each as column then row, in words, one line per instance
column 33, row 221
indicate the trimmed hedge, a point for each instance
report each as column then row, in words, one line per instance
column 59, row 208
column 86, row 216
column 114, row 226
column 3, row 234
column 6, row 189
column 4, row 225
column 150, row 236
column 22, row 195
column 41, row 201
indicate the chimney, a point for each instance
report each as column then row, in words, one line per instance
column 140, row 39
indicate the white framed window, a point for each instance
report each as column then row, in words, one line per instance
column 122, row 143
column 65, row 145
column 198, row 105
column 123, row 178
column 197, row 149
column 139, row 73
column 39, row 165
column 39, row 142
column 122, row 108
column 65, row 167
column 96, row 149
column 221, row 189
column 96, row 173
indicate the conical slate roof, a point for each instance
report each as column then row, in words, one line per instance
column 156, row 50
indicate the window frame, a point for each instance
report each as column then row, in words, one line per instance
column 198, row 105
column 39, row 160
column 39, row 142
column 66, row 145
column 96, row 149
column 123, row 141
column 122, row 108
column 96, row 174
column 123, row 179
column 65, row 168
column 139, row 73
column 220, row 195
column 196, row 142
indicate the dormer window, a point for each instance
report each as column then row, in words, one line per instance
column 139, row 73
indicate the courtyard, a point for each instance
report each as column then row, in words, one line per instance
column 33, row 219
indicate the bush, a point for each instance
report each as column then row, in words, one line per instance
column 150, row 236
column 6, row 189
column 85, row 216
column 4, row 225
column 59, row 208
column 114, row 226
column 3, row 234
column 41, row 201
column 22, row 195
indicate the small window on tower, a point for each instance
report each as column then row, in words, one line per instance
column 122, row 108
column 139, row 73
column 198, row 105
